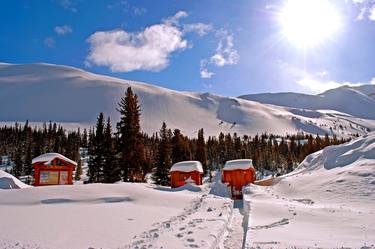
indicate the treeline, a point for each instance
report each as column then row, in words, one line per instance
column 22, row 143
column 128, row 154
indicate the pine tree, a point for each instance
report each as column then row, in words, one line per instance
column 28, row 149
column 97, row 155
column 201, row 154
column 131, row 144
column 180, row 150
column 18, row 163
column 164, row 157
column 91, row 169
column 78, row 173
column 111, row 171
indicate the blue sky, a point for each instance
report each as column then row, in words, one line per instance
column 221, row 46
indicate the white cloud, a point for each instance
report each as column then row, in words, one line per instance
column 62, row 30
column 149, row 49
column 225, row 54
column 366, row 9
column 68, row 5
column 49, row 42
column 371, row 14
column 200, row 28
column 319, row 86
column 205, row 74
column 322, row 74
column 174, row 20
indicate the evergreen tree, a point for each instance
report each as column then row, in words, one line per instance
column 131, row 145
column 111, row 171
column 18, row 163
column 201, row 154
column 28, row 150
column 78, row 173
column 180, row 150
column 164, row 157
column 97, row 155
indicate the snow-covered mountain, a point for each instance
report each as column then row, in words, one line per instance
column 43, row 92
column 357, row 101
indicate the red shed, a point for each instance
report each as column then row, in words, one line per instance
column 53, row 169
column 186, row 171
column 238, row 173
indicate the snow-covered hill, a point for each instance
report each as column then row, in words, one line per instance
column 356, row 101
column 327, row 202
column 44, row 92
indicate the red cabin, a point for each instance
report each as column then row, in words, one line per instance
column 238, row 173
column 53, row 169
column 186, row 172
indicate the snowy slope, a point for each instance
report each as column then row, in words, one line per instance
column 327, row 202
column 356, row 101
column 43, row 92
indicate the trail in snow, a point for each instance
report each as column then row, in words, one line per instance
column 200, row 225
column 234, row 236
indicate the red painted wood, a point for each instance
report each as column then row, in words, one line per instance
column 62, row 166
column 178, row 178
column 236, row 179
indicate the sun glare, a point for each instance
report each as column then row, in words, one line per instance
column 307, row 23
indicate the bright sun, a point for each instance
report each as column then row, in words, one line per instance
column 307, row 23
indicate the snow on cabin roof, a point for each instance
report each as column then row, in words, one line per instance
column 49, row 157
column 187, row 166
column 238, row 164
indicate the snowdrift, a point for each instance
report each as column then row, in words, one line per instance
column 327, row 202
column 7, row 181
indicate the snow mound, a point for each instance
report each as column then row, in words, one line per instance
column 187, row 166
column 360, row 151
column 238, row 164
column 7, row 181
column 327, row 202
column 47, row 158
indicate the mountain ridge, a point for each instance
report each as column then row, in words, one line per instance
column 43, row 92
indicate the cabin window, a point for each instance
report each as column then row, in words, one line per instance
column 63, row 177
column 49, row 177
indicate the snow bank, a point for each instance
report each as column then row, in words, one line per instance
column 238, row 164
column 327, row 202
column 47, row 158
column 7, row 181
column 187, row 166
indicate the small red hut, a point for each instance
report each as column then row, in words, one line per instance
column 53, row 169
column 238, row 173
column 186, row 172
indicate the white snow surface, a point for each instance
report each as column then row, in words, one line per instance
column 187, row 166
column 238, row 164
column 7, row 181
column 26, row 89
column 327, row 202
column 47, row 158
column 356, row 101
column 124, row 215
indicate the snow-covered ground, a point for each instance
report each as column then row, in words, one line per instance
column 328, row 202
column 121, row 215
